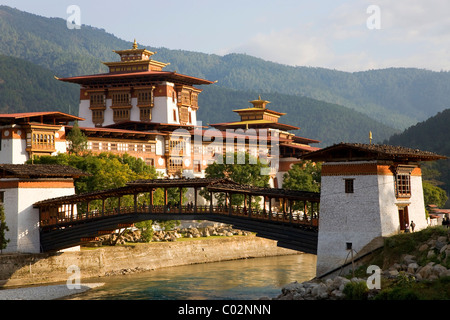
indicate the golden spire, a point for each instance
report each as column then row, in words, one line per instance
column 135, row 44
column 260, row 103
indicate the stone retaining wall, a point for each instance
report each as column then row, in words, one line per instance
column 27, row 269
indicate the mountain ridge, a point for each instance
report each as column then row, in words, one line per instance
column 379, row 94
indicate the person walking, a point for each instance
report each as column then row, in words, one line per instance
column 413, row 225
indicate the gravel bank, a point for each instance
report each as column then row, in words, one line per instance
column 44, row 292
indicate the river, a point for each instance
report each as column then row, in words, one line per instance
column 247, row 279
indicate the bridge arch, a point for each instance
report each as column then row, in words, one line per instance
column 73, row 220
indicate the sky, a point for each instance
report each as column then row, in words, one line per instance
column 347, row 35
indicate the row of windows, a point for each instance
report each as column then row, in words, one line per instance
column 122, row 147
column 124, row 114
column 122, row 98
column 138, row 68
column 98, row 115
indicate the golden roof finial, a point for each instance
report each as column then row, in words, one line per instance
column 135, row 44
column 260, row 103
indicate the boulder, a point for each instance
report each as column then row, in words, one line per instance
column 431, row 254
column 439, row 270
column 441, row 242
column 408, row 259
column 426, row 271
column 291, row 287
column 339, row 283
column 412, row 267
column 320, row 291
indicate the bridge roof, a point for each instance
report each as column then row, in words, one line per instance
column 182, row 182
column 268, row 192
column 133, row 187
column 213, row 184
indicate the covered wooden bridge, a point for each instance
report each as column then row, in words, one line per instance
column 77, row 219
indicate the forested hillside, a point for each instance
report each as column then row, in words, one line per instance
column 26, row 87
column 329, row 123
column 396, row 97
column 432, row 135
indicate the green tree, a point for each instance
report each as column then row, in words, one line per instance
column 77, row 140
column 3, row 229
column 247, row 173
column 106, row 171
column 433, row 194
column 146, row 230
column 304, row 176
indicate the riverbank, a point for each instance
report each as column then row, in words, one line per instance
column 412, row 266
column 33, row 269
column 51, row 292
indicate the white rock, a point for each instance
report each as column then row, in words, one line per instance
column 412, row 267
column 408, row 259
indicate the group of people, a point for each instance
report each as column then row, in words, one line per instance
column 445, row 222
column 412, row 225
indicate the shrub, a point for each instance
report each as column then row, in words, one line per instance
column 356, row 290
column 397, row 293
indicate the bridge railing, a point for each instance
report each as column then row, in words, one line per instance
column 61, row 218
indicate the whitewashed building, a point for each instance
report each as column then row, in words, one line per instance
column 368, row 192
column 25, row 135
column 21, row 186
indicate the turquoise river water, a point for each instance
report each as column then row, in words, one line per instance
column 248, row 279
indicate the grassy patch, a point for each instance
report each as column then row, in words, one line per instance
column 408, row 243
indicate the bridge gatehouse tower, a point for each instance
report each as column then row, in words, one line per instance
column 368, row 192
column 21, row 185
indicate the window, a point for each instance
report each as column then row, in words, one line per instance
column 121, row 99
column 197, row 166
column 150, row 148
column 174, row 115
column 2, row 197
column 121, row 115
column 97, row 117
column 403, row 184
column 175, row 164
column 145, row 113
column 145, row 97
column 349, row 185
column 43, row 141
column 95, row 146
column 97, row 99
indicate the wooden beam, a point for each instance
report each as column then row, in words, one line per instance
column 181, row 199
column 165, row 200
column 195, row 200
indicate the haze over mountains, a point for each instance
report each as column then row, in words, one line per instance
column 327, row 105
